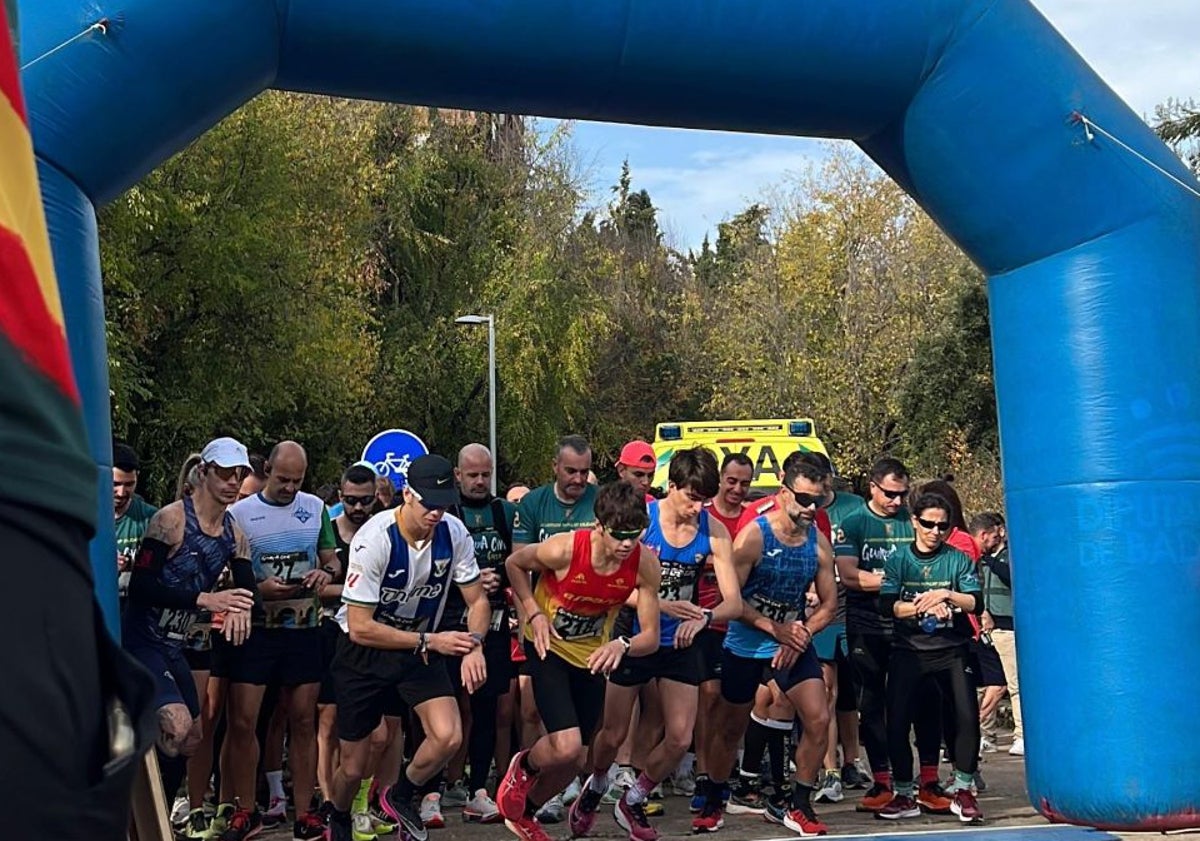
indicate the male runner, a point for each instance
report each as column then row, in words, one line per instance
column 293, row 551
column 777, row 559
column 132, row 513
column 402, row 564
column 584, row 577
column 635, row 465
column 188, row 545
column 686, row 540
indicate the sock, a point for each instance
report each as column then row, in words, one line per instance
column 801, row 795
column 405, row 788
column 598, row 782
column 275, row 783
column 883, row 778
column 904, row 789
column 685, row 765
column 758, row 736
column 776, row 751
column 962, row 780
column 929, row 774
column 640, row 790
column 361, row 799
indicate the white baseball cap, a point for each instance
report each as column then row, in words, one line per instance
column 225, row 452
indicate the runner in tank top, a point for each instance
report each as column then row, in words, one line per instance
column 583, row 579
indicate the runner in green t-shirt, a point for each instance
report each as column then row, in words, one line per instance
column 566, row 504
column 928, row 588
column 132, row 512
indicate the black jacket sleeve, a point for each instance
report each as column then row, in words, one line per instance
column 1001, row 569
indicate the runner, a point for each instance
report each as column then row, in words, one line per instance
column 293, row 550
column 188, row 545
column 584, row 577
column 777, row 559
column 686, row 540
column 402, row 563
column 132, row 513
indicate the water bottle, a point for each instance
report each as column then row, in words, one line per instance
column 929, row 623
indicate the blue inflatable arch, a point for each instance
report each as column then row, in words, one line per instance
column 1092, row 256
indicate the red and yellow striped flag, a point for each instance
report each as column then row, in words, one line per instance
column 31, row 317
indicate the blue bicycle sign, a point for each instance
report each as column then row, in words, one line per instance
column 392, row 451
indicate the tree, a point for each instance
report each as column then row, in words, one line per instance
column 1178, row 124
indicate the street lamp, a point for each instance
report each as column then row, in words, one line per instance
column 490, row 321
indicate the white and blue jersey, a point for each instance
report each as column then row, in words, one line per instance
column 775, row 588
column 682, row 567
column 407, row 586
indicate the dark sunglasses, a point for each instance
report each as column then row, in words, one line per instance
column 354, row 501
column 891, row 494
column 227, row 473
column 808, row 500
column 934, row 524
column 624, row 534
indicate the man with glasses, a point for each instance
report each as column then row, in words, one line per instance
column 582, row 579
column 686, row 540
column 867, row 539
column 294, row 553
column 403, row 563
column 777, row 559
column 187, row 546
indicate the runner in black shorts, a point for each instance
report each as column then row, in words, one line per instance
column 686, row 539
column 403, row 563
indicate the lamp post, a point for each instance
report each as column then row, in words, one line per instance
column 490, row 321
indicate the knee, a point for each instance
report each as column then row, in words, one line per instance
column 816, row 725
column 177, row 731
column 378, row 737
column 353, row 760
column 302, row 726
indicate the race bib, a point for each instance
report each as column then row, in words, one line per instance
column 572, row 626
column 174, row 623
column 678, row 582
column 289, row 566
column 774, row 610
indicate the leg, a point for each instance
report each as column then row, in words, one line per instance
column 531, row 722
column 443, row 736
column 649, row 729
column 1006, row 646
column 904, row 682
column 199, row 766
column 682, row 700
column 614, row 728
column 302, row 745
column 481, row 739
column 239, row 755
column 458, row 762
column 327, row 747
column 869, row 655
column 710, row 698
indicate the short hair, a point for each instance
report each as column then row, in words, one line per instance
column 925, row 501
column 944, row 489
column 328, row 493
column 819, row 459
column 619, row 505
column 574, row 442
column 736, row 458
column 888, row 466
column 358, row 474
column 695, row 468
column 985, row 521
column 125, row 458
column 798, row 464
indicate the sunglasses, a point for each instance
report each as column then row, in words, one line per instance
column 624, row 534
column 808, row 500
column 934, row 524
column 358, row 501
column 891, row 494
column 424, row 504
column 227, row 473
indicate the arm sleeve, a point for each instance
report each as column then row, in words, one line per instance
column 1000, row 567
column 243, row 574
column 369, row 555
column 145, row 587
column 326, row 540
column 887, row 604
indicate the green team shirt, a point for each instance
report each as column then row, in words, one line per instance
column 870, row 539
column 542, row 514
column 909, row 573
column 131, row 527
column 843, row 505
column 490, row 553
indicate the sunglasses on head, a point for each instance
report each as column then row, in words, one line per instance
column 939, row 525
column 356, row 501
column 227, row 473
column 808, row 500
column 891, row 494
column 624, row 534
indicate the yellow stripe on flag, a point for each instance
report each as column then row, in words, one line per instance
column 21, row 203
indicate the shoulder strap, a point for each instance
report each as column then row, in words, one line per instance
column 500, row 524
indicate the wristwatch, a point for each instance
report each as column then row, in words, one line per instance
column 626, row 642
column 477, row 637
column 708, row 617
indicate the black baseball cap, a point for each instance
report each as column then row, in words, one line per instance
column 431, row 478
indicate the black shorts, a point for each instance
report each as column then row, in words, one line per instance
column 173, row 682
column 985, row 664
column 199, row 659
column 567, row 696
column 281, row 656
column 682, row 665
column 741, row 677
column 330, row 632
column 497, row 656
column 711, row 643
column 368, row 683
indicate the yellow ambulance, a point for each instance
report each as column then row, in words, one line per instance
column 766, row 442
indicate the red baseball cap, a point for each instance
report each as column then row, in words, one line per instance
column 637, row 454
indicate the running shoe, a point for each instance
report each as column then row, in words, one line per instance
column 747, row 797
column 1017, row 748
column 243, row 824
column 631, row 817
column 514, row 789
column 699, row 798
column 308, row 827
column 342, row 830
column 456, row 796
column 198, row 826
column 803, row 820
column 527, row 829
column 361, row 828
column 570, row 792
column 966, row 806
column 710, row 819
column 220, row 820
column 481, row 809
column 181, row 811
column 276, row 813
column 933, row 798
column 552, row 811
column 581, row 817
column 876, row 798
column 431, row 811
column 901, row 806
column 405, row 814
column 830, row 788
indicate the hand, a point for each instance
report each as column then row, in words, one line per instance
column 236, row 627
column 987, row 623
column 124, row 563
column 316, row 579
column 681, row 610
column 791, row 634
column 274, row 588
column 451, row 643
column 784, row 658
column 686, row 633
column 941, row 611
column 226, row 601
column 541, row 634
column 490, row 579
column 924, row 602
column 605, row 659
column 474, row 670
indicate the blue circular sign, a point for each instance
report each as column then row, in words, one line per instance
column 392, row 451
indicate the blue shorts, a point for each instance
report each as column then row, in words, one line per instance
column 829, row 642
column 173, row 682
column 806, row 667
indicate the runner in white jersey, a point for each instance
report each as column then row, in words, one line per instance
column 294, row 555
column 402, row 565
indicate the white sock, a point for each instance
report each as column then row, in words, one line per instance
column 275, row 783
column 598, row 782
column 685, row 765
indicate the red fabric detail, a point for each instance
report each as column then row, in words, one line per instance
column 10, row 85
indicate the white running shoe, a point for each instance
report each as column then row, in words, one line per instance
column 180, row 809
column 481, row 809
column 431, row 811
column 831, row 788
column 1018, row 747
column 456, row 796
column 571, row 792
column 553, row 811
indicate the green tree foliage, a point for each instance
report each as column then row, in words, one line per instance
column 1178, row 124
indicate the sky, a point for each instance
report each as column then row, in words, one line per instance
column 1145, row 50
